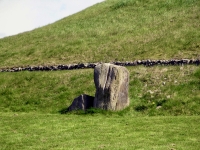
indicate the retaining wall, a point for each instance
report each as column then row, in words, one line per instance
column 92, row 65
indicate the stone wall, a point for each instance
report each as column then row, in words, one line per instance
column 92, row 65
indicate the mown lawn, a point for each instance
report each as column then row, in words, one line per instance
column 97, row 131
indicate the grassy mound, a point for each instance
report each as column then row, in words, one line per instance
column 115, row 30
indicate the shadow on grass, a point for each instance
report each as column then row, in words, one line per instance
column 92, row 111
column 89, row 111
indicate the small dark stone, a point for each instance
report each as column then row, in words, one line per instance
column 117, row 63
column 82, row 102
column 65, row 67
column 197, row 62
column 75, row 66
column 81, row 66
column 92, row 65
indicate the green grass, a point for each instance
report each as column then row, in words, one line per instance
column 115, row 30
column 47, row 131
column 176, row 89
column 43, row 91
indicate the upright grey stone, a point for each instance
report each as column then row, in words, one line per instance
column 111, row 83
column 82, row 102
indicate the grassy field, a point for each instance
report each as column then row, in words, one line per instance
column 24, row 131
column 115, row 30
column 164, row 112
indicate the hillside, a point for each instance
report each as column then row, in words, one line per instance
column 175, row 88
column 115, row 30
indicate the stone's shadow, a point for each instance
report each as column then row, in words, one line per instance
column 89, row 111
column 63, row 111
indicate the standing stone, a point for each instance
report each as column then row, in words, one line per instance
column 82, row 102
column 111, row 83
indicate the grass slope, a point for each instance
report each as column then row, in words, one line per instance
column 176, row 89
column 111, row 31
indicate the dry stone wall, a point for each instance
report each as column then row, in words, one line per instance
column 92, row 65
